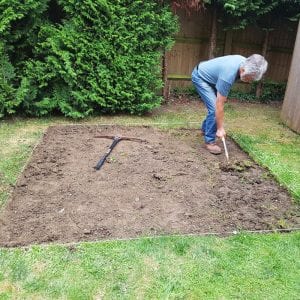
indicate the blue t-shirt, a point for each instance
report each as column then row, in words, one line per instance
column 221, row 72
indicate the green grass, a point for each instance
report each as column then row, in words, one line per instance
column 239, row 267
column 262, row 134
column 17, row 140
column 283, row 160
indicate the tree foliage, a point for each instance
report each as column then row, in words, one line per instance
column 188, row 5
column 82, row 57
column 262, row 13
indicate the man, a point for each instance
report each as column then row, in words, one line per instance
column 213, row 80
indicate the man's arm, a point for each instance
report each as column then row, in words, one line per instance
column 220, row 115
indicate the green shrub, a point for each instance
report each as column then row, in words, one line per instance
column 82, row 57
column 19, row 25
column 7, row 74
column 184, row 91
column 271, row 91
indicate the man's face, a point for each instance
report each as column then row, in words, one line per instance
column 246, row 78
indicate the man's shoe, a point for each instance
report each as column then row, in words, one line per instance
column 213, row 148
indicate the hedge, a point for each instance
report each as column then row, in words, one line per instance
column 82, row 57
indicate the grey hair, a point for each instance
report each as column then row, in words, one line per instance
column 255, row 66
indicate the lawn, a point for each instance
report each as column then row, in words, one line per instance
column 239, row 267
column 243, row 266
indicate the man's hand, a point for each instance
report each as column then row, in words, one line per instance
column 221, row 133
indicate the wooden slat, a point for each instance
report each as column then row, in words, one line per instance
column 191, row 46
column 290, row 113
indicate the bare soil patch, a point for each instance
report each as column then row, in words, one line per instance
column 166, row 185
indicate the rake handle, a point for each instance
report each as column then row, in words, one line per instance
column 225, row 148
column 102, row 160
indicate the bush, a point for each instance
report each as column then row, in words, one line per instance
column 271, row 91
column 82, row 57
column 19, row 23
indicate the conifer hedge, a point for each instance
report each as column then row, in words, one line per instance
column 82, row 57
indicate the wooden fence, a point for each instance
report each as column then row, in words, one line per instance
column 291, row 105
column 192, row 44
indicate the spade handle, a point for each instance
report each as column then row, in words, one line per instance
column 225, row 148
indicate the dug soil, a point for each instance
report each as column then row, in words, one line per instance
column 165, row 183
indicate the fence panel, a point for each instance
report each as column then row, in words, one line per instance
column 192, row 44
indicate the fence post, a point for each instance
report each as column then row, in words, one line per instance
column 213, row 33
column 164, row 77
column 228, row 42
column 259, row 88
column 291, row 104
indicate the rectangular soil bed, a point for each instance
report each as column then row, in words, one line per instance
column 165, row 183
